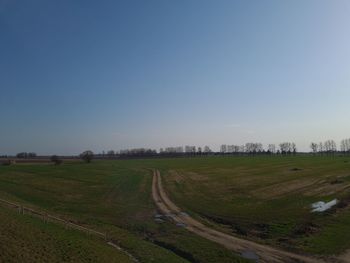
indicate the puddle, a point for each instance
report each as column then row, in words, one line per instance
column 322, row 206
column 170, row 215
column 248, row 254
column 181, row 225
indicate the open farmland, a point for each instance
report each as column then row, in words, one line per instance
column 267, row 199
column 263, row 199
column 113, row 197
column 175, row 131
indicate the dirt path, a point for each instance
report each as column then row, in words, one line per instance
column 345, row 257
column 265, row 253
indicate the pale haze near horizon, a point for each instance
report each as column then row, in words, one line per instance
column 125, row 74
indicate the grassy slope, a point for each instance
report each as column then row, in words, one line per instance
column 28, row 239
column 112, row 196
column 266, row 197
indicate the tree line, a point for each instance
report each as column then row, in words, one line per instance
column 283, row 148
column 250, row 148
column 25, row 155
column 330, row 147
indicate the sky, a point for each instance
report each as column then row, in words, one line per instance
column 101, row 75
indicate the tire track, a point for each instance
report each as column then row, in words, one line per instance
column 265, row 253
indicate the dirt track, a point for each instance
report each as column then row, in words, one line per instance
column 265, row 253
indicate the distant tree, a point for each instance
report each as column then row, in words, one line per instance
column 26, row 155
column 110, row 153
column 271, row 148
column 314, row 147
column 207, row 149
column 320, row 147
column 288, row 148
column 223, row 148
column 253, row 147
column 345, row 146
column 330, row 146
column 242, row 148
column 190, row 149
column 342, row 146
column 294, row 148
column 285, row 147
column 87, row 156
column 21, row 155
column 56, row 160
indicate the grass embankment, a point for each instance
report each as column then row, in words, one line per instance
column 112, row 197
column 27, row 239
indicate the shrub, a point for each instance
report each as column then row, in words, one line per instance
column 87, row 156
column 56, row 160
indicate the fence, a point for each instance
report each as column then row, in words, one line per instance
column 68, row 224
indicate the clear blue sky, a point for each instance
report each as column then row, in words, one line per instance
column 101, row 75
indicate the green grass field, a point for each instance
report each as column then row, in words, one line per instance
column 28, row 239
column 266, row 199
column 112, row 197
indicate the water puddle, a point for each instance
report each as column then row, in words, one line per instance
column 249, row 254
column 322, row 206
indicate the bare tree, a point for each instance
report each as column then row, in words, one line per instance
column 207, row 149
column 314, row 147
column 345, row 146
column 223, row 148
column 87, row 156
column 253, row 147
column 172, row 150
column 56, row 160
column 330, row 146
column 288, row 148
column 111, row 153
column 242, row 149
column 272, row 148
column 294, row 148
column 320, row 147
column 138, row 152
column 26, row 155
column 190, row 149
column 285, row 147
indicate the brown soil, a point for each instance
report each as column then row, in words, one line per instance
column 345, row 257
